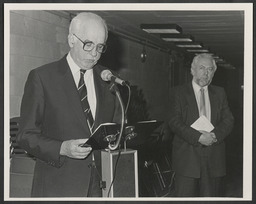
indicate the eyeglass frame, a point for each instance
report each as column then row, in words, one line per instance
column 86, row 41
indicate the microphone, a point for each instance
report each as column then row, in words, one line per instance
column 107, row 75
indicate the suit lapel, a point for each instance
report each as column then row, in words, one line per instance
column 213, row 102
column 69, row 88
column 191, row 100
column 193, row 108
column 100, row 96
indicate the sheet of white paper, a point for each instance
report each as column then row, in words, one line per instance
column 202, row 123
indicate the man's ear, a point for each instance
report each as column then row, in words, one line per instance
column 192, row 71
column 71, row 40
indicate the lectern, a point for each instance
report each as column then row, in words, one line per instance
column 126, row 173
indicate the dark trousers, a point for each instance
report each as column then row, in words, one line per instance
column 94, row 184
column 191, row 187
column 205, row 186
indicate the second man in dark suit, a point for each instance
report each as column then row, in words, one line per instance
column 198, row 155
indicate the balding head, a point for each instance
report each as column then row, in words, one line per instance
column 80, row 22
column 91, row 30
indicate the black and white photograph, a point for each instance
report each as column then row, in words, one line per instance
column 128, row 102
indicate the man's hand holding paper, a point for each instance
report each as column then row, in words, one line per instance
column 203, row 125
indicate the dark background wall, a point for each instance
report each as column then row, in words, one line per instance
column 151, row 76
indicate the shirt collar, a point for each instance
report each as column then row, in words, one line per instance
column 75, row 69
column 197, row 88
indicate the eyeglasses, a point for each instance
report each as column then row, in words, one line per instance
column 89, row 45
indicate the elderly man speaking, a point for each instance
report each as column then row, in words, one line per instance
column 63, row 103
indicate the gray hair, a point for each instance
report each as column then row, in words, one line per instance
column 79, row 19
column 201, row 56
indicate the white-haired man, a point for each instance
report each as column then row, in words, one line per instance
column 63, row 103
column 199, row 156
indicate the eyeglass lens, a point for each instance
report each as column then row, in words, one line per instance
column 89, row 45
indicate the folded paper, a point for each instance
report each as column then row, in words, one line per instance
column 202, row 123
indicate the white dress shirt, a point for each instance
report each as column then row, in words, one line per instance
column 197, row 88
column 89, row 82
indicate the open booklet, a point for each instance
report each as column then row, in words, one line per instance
column 105, row 131
column 202, row 123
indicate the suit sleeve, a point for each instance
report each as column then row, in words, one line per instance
column 224, row 125
column 177, row 120
column 31, row 135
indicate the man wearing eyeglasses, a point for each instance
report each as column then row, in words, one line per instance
column 198, row 151
column 56, row 120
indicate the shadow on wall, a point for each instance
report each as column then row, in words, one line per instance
column 112, row 58
column 138, row 109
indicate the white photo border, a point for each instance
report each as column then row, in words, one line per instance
column 248, row 82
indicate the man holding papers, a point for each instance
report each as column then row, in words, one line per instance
column 201, row 120
column 63, row 103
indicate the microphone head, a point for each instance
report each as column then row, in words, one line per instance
column 106, row 75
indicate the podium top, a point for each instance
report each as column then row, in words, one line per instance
column 109, row 131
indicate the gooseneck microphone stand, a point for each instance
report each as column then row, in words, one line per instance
column 114, row 146
column 110, row 172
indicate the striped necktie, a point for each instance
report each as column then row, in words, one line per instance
column 84, row 100
column 202, row 103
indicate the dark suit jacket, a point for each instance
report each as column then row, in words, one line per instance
column 51, row 112
column 186, row 148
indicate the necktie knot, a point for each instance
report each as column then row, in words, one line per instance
column 82, row 71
